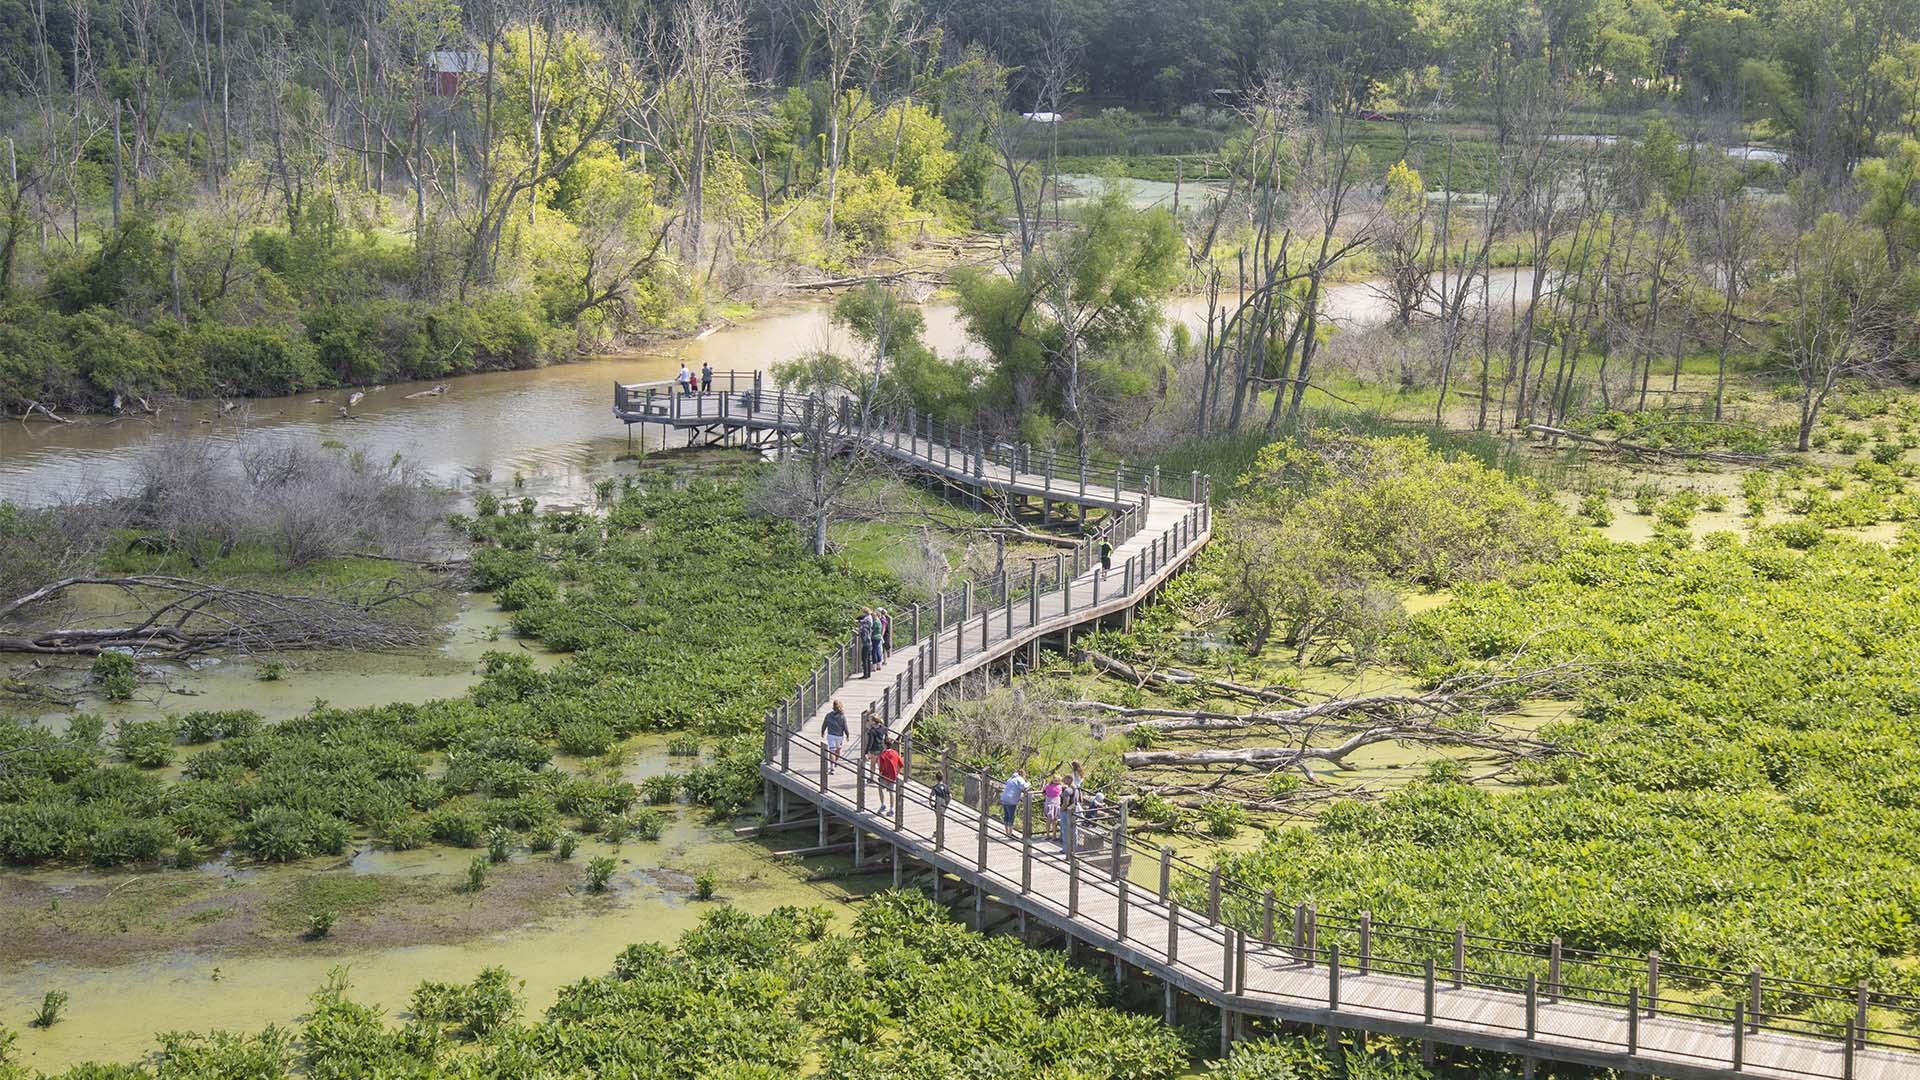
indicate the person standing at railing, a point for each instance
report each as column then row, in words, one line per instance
column 889, row 773
column 886, row 635
column 1106, row 554
column 833, row 732
column 876, row 641
column 1011, row 792
column 706, row 377
column 863, row 641
column 1050, row 809
column 684, row 380
column 942, row 794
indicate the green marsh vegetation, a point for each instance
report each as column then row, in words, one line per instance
column 1699, row 745
column 680, row 611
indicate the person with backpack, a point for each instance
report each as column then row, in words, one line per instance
column 1011, row 792
column 876, row 732
column 890, row 763
column 833, row 731
column 942, row 794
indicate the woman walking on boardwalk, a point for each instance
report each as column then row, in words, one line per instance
column 833, row 731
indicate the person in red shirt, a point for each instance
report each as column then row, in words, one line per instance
column 890, row 763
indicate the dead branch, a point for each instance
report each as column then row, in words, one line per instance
column 180, row 617
column 1643, row 452
column 1286, row 695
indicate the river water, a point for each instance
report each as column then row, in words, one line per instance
column 551, row 426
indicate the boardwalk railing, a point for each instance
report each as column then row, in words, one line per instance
column 1226, row 940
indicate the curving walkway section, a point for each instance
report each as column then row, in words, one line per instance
column 1242, row 951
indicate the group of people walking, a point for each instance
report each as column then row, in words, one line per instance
column 879, row 749
column 692, row 382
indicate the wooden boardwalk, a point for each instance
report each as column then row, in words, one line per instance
column 1539, row 1002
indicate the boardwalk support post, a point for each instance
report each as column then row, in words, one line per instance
column 1166, row 873
column 1754, row 979
column 1173, row 936
column 1026, row 845
column 1333, row 977
column 1366, row 942
column 1553, row 970
column 1633, row 1020
column 1459, row 955
column 1739, row 1035
column 1653, row 983
column 1533, row 1004
column 1213, row 895
column 1428, row 993
column 1120, row 920
column 1266, row 917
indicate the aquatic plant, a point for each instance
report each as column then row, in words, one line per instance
column 477, row 873
column 704, row 884
column 52, row 1004
column 599, row 873
column 320, row 924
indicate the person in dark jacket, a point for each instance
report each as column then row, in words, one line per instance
column 834, row 733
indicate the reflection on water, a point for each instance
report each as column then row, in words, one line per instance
column 551, row 426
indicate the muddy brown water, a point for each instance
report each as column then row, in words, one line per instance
column 550, row 427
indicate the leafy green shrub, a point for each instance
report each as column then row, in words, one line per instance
column 490, row 1001
column 1799, row 535
column 1595, row 510
column 408, row 833
column 599, row 873
column 659, row 790
column 146, row 743
column 460, row 826
column 499, row 844
column 565, row 845
column 138, row 840
column 1646, row 498
column 1887, row 453
column 320, row 924
column 527, row 591
column 281, row 834
column 585, row 738
column 477, row 873
column 704, row 884
column 113, row 673
column 646, row 824
column 1224, row 818
column 1676, row 512
column 206, row 726
column 683, row 746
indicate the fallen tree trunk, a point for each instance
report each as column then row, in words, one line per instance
column 1643, row 452
column 1176, row 677
column 180, row 617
